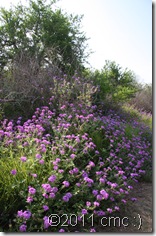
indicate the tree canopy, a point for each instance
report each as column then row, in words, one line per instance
column 44, row 32
column 115, row 83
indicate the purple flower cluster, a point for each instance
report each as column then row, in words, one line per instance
column 66, row 183
column 23, row 159
column 23, row 228
column 66, row 197
column 32, row 190
column 13, row 172
column 25, row 215
column 52, row 178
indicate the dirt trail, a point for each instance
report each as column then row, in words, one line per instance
column 138, row 214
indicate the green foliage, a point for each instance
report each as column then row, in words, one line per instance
column 115, row 84
column 130, row 131
column 39, row 27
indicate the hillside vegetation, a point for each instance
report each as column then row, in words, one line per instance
column 73, row 142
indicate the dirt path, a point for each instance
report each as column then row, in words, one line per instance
column 137, row 216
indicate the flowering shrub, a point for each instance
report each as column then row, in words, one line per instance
column 69, row 161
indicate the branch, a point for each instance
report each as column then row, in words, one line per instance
column 7, row 100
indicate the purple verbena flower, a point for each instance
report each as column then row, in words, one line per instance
column 47, row 223
column 41, row 161
column 96, row 204
column 78, row 184
column 121, row 172
column 69, row 195
column 55, row 167
column 52, row 195
column 114, row 185
column 88, row 204
column 116, row 208
column 26, row 215
column 23, row 228
column 29, row 199
column 134, row 175
column 133, row 199
column 58, row 160
column 101, row 213
column 84, row 211
column 45, row 207
column 104, row 194
column 95, row 192
column 38, row 156
column 23, row 159
column 109, row 210
column 66, row 183
column 45, row 195
column 46, row 187
column 65, row 198
column 34, row 175
column 54, row 189
column 91, row 163
column 84, row 173
column 52, row 178
column 72, row 156
column 99, row 197
column 124, row 201
column 102, row 180
column 13, row 172
column 32, row 190
column 88, row 180
column 75, row 170
column 62, row 152
column 20, row 213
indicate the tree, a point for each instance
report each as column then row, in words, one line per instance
column 116, row 84
column 42, row 32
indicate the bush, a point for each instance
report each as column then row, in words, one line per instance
column 28, row 86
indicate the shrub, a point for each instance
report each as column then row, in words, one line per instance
column 28, row 86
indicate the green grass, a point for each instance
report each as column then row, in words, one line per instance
column 141, row 117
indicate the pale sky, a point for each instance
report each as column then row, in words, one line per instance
column 119, row 30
